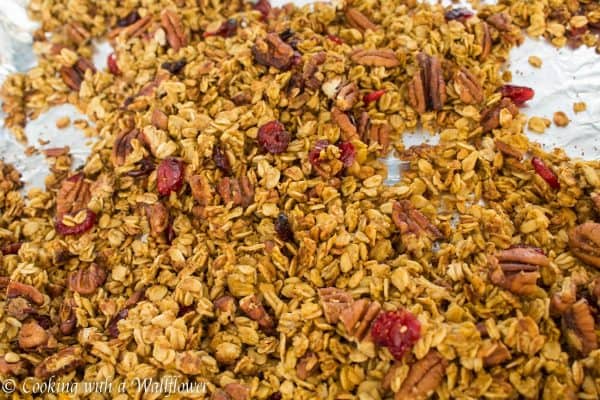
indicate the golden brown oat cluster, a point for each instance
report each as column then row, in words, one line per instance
column 232, row 226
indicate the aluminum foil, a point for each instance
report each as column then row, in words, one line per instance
column 566, row 76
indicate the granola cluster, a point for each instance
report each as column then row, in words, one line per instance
column 232, row 225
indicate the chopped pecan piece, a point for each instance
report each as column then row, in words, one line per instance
column 160, row 119
column 66, row 317
column 18, row 289
column 225, row 304
column 424, row 377
column 306, row 365
column 309, row 77
column 347, row 96
column 87, row 280
column 348, row 130
column 176, row 35
column 380, row 133
column 73, row 76
column 136, row 29
column 516, row 269
column 201, row 189
column 19, row 308
column 123, row 147
column 357, row 318
column 32, row 336
column 561, row 301
column 77, row 33
column 410, row 220
column 501, row 21
column 375, row 58
column 579, row 324
column 56, row 151
column 508, row 150
column 494, row 353
column 490, row 116
column 427, row 89
column 158, row 217
column 358, row 20
column 237, row 391
column 219, row 395
column 272, row 51
column 73, row 196
column 467, row 87
column 64, row 361
column 236, row 191
column 11, row 368
column 254, row 309
column 485, row 40
column 595, row 290
column 334, row 301
column 584, row 241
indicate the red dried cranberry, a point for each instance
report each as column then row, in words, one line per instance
column 283, row 228
column 273, row 138
column 227, row 29
column 86, row 225
column 129, row 19
column 335, row 39
column 347, row 153
column 146, row 166
column 314, row 156
column 111, row 61
column 396, row 330
column 518, row 94
column 461, row 14
column 43, row 320
column 113, row 328
column 11, row 248
column 373, row 96
column 264, row 7
column 169, row 176
column 545, row 172
column 221, row 160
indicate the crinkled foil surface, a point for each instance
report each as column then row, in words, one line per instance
column 566, row 76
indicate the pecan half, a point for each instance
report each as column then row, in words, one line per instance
column 236, row 191
column 201, row 189
column 86, row 281
column 77, row 33
column 158, row 217
column 357, row 318
column 334, row 301
column 347, row 96
column 306, row 365
column 254, row 309
column 66, row 360
column 427, row 89
column 485, row 40
column 176, row 35
column 19, row 308
column 508, row 150
column 501, row 21
column 490, row 116
column 358, row 20
column 136, row 29
column 516, row 269
column 467, row 86
column 494, row 353
column 73, row 76
column 73, row 196
column 579, row 323
column 272, row 51
column 424, row 377
column 410, row 220
column 237, row 391
column 380, row 133
column 375, row 58
column 32, row 336
column 347, row 128
column 66, row 317
column 123, row 147
column 18, row 289
column 584, row 241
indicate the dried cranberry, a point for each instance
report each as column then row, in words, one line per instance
column 221, row 160
column 273, row 138
column 283, row 228
column 86, row 225
column 227, row 29
column 170, row 234
column 146, row 167
column 43, row 320
column 169, row 176
column 461, row 14
column 111, row 62
column 518, row 94
column 174, row 67
column 11, row 248
column 113, row 328
column 396, row 330
column 185, row 309
column 335, row 39
column 347, row 153
column 314, row 156
column 545, row 172
column 373, row 96
column 129, row 19
column 286, row 34
column 275, row 396
column 264, row 7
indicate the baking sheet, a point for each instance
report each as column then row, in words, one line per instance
column 566, row 76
